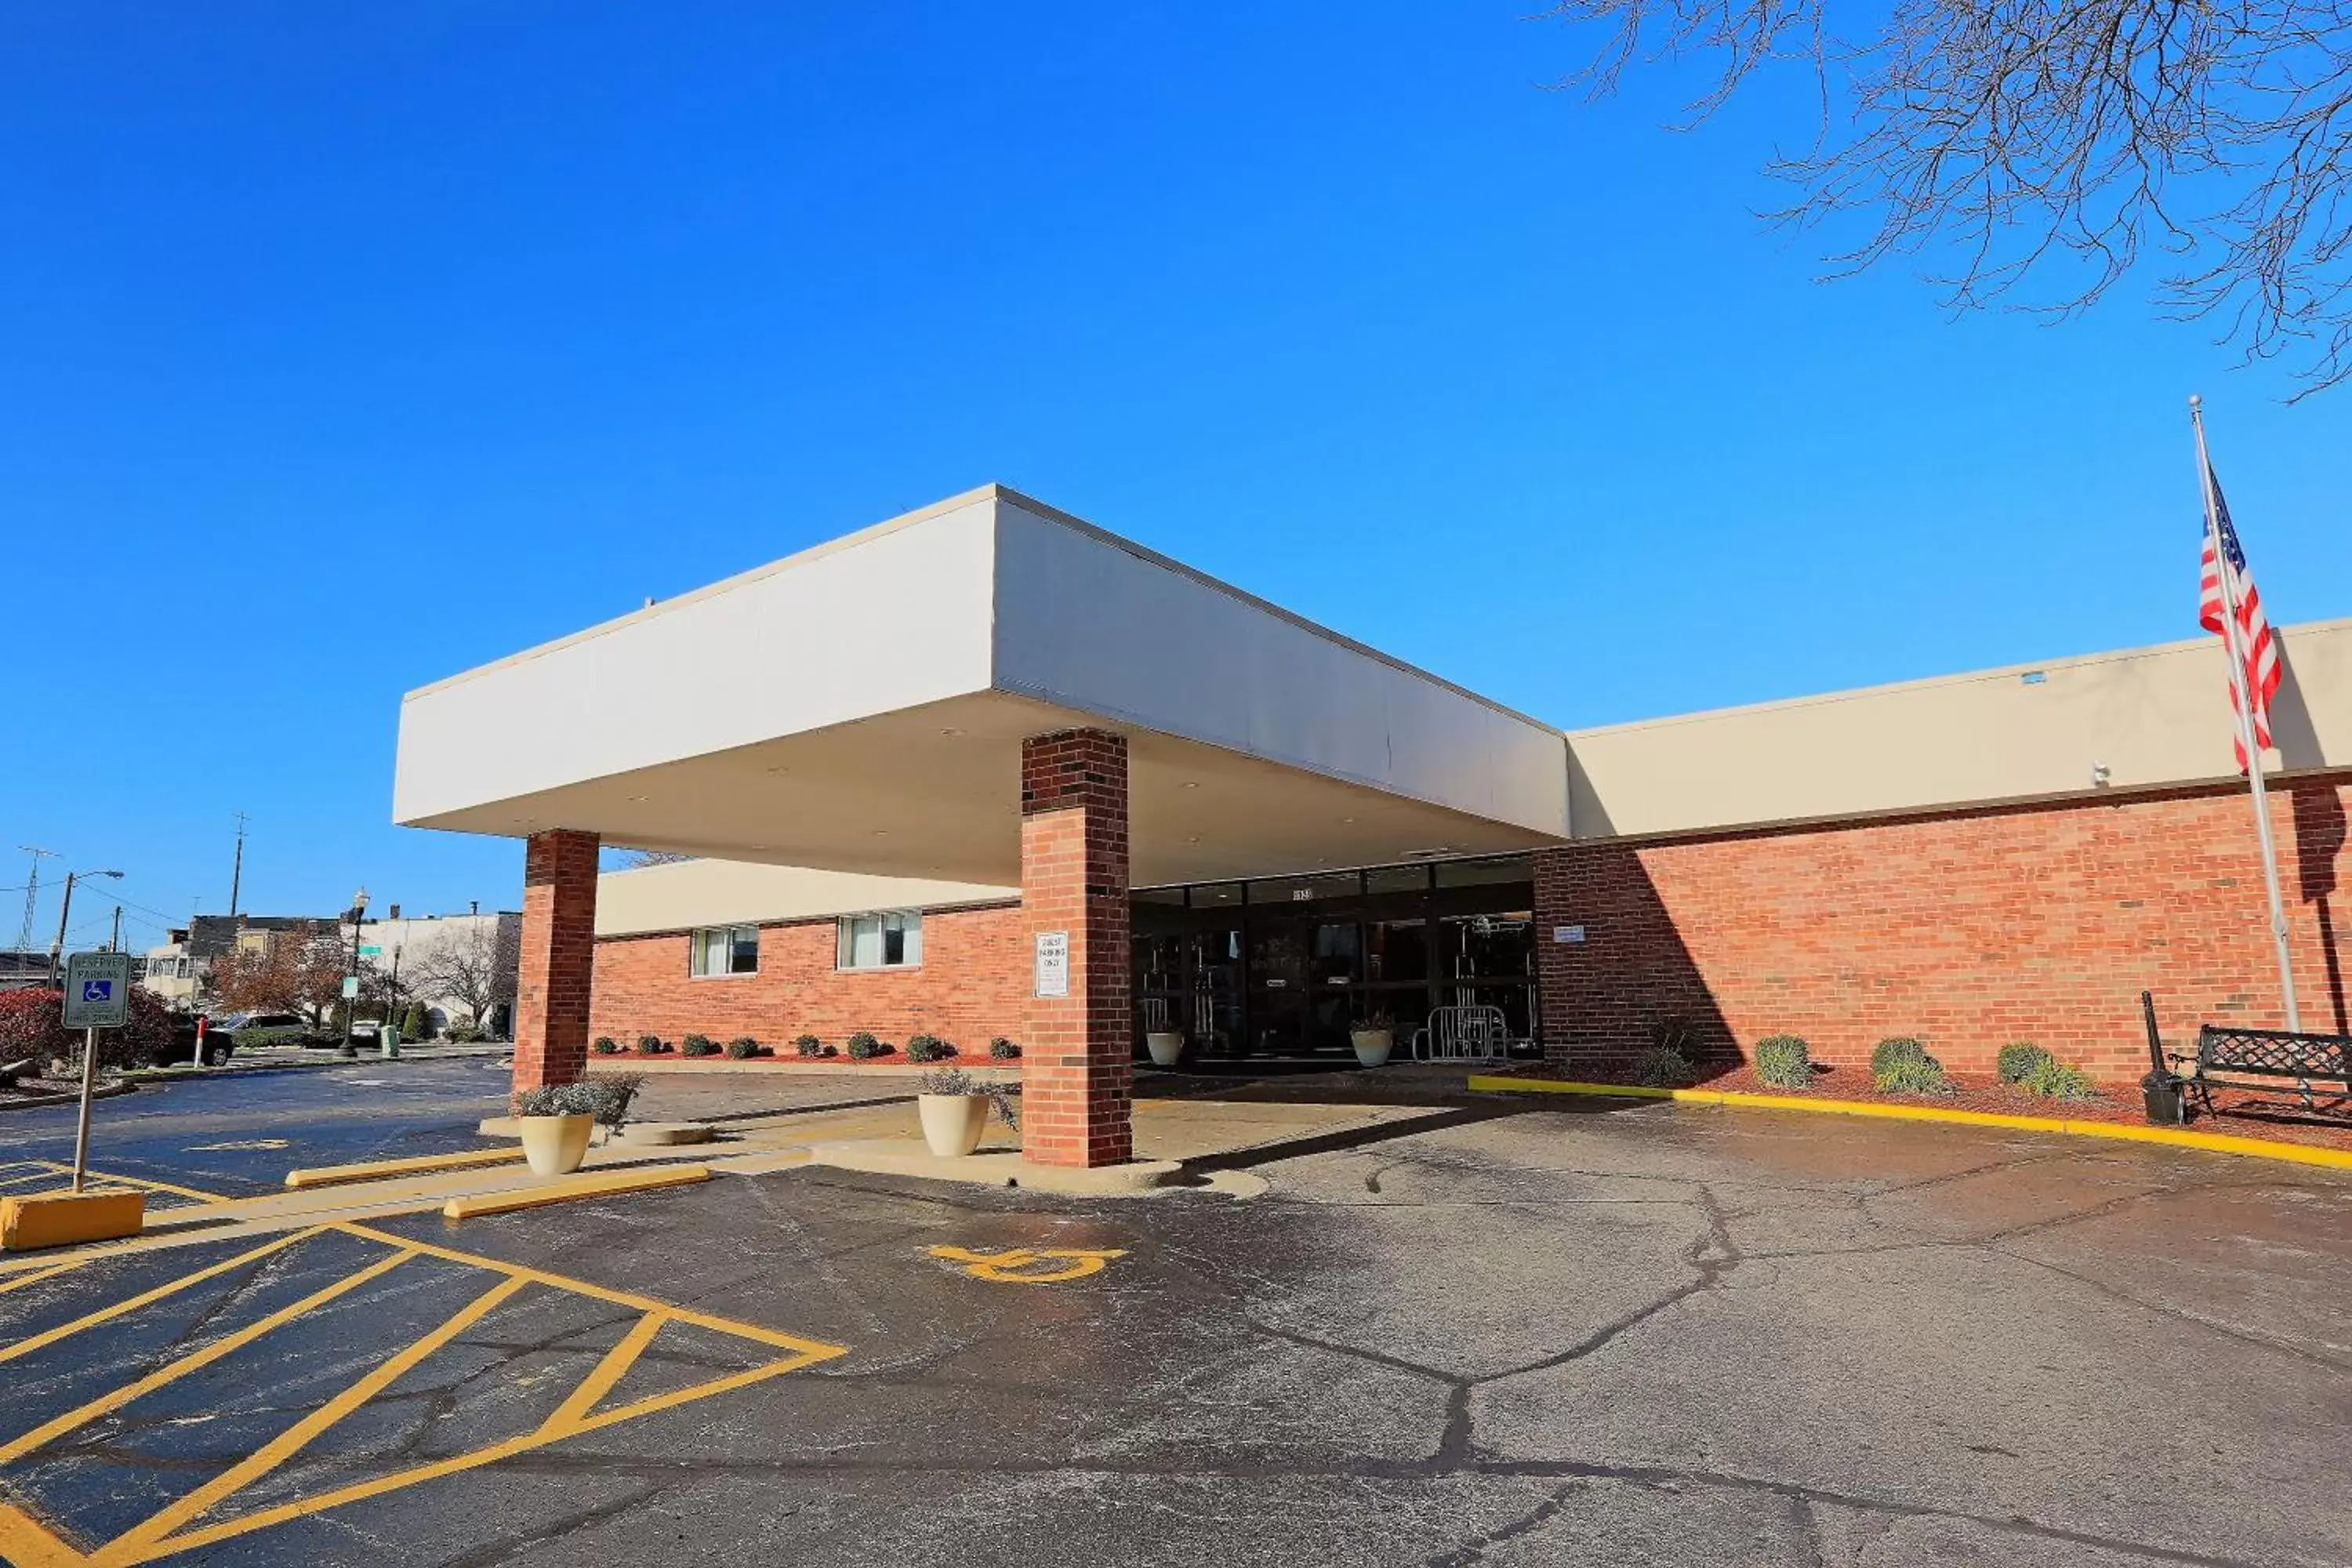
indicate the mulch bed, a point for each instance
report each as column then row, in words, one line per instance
column 2242, row 1113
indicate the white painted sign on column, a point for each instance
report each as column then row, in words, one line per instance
column 1053, row 963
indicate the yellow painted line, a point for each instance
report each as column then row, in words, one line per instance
column 608, row 1371
column 107, row 1314
column 575, row 1187
column 372, row 1170
column 599, row 1293
column 2177, row 1137
column 151, row 1539
column 28, row 1544
column 194, row 1361
column 138, row 1181
column 38, row 1275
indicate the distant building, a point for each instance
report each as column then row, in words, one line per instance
column 22, row 969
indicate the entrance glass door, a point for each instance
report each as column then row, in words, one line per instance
column 1278, row 990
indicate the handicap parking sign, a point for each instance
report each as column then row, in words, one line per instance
column 98, row 991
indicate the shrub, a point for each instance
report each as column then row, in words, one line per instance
column 1908, row 1071
column 809, row 1045
column 29, row 1030
column 698, row 1046
column 864, row 1046
column 1784, row 1061
column 742, row 1048
column 827, row 1051
column 1003, row 1050
column 2054, row 1080
column 2020, row 1059
column 1898, row 1048
column 1662, row 1066
column 650, row 1046
column 463, row 1035
column 928, row 1048
column 417, row 1024
column 605, row 1045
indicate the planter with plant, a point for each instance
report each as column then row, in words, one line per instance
column 1166, row 1046
column 557, row 1119
column 1374, row 1037
column 953, row 1107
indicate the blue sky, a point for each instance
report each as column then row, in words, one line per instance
column 347, row 347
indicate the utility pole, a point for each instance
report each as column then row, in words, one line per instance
column 64, row 908
column 32, row 895
column 114, row 942
column 237, row 871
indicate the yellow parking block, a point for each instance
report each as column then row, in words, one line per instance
column 375, row 1170
column 59, row 1219
column 604, row 1184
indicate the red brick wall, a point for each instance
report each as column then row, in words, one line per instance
column 559, row 947
column 1968, row 929
column 1077, row 1079
column 971, row 986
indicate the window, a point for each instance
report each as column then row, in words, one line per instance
column 727, row 950
column 891, row 940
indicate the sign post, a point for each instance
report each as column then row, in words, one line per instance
column 97, row 996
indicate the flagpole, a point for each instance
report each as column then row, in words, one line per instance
column 2242, row 702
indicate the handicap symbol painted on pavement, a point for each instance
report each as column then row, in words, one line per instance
column 1016, row 1266
column 98, row 990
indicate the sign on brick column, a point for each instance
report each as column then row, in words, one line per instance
column 1076, row 1068
column 553, row 978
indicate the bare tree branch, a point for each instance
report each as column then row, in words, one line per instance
column 2033, row 153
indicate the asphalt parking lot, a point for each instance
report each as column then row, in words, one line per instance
column 1503, row 1332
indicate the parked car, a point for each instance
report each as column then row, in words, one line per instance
column 218, row 1045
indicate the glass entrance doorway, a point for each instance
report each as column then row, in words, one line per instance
column 1282, row 968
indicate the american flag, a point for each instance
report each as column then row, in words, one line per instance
column 2261, row 672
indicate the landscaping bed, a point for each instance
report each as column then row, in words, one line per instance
column 2270, row 1113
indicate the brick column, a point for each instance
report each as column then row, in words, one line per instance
column 559, row 957
column 1076, row 1065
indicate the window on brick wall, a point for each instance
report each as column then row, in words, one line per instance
column 890, row 940
column 727, row 950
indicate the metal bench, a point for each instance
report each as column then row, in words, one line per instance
column 2252, row 1058
column 1463, row 1034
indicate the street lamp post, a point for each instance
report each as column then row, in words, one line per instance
column 58, row 948
column 351, row 1001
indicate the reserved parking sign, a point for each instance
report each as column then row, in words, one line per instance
column 98, row 990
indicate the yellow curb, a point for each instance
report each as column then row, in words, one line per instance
column 2179, row 1138
column 577, row 1187
column 59, row 1219
column 369, row 1170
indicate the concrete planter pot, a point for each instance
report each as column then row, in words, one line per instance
column 1166, row 1046
column 952, row 1123
column 554, row 1145
column 1372, row 1046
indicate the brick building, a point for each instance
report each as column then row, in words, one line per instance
column 1079, row 791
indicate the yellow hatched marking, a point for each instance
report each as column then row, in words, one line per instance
column 599, row 1293
column 171, row 1287
column 137, row 1182
column 28, row 1544
column 131, row 1546
column 39, row 1274
column 196, row 1361
column 608, row 1371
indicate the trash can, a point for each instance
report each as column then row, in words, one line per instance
column 2161, row 1091
column 388, row 1040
